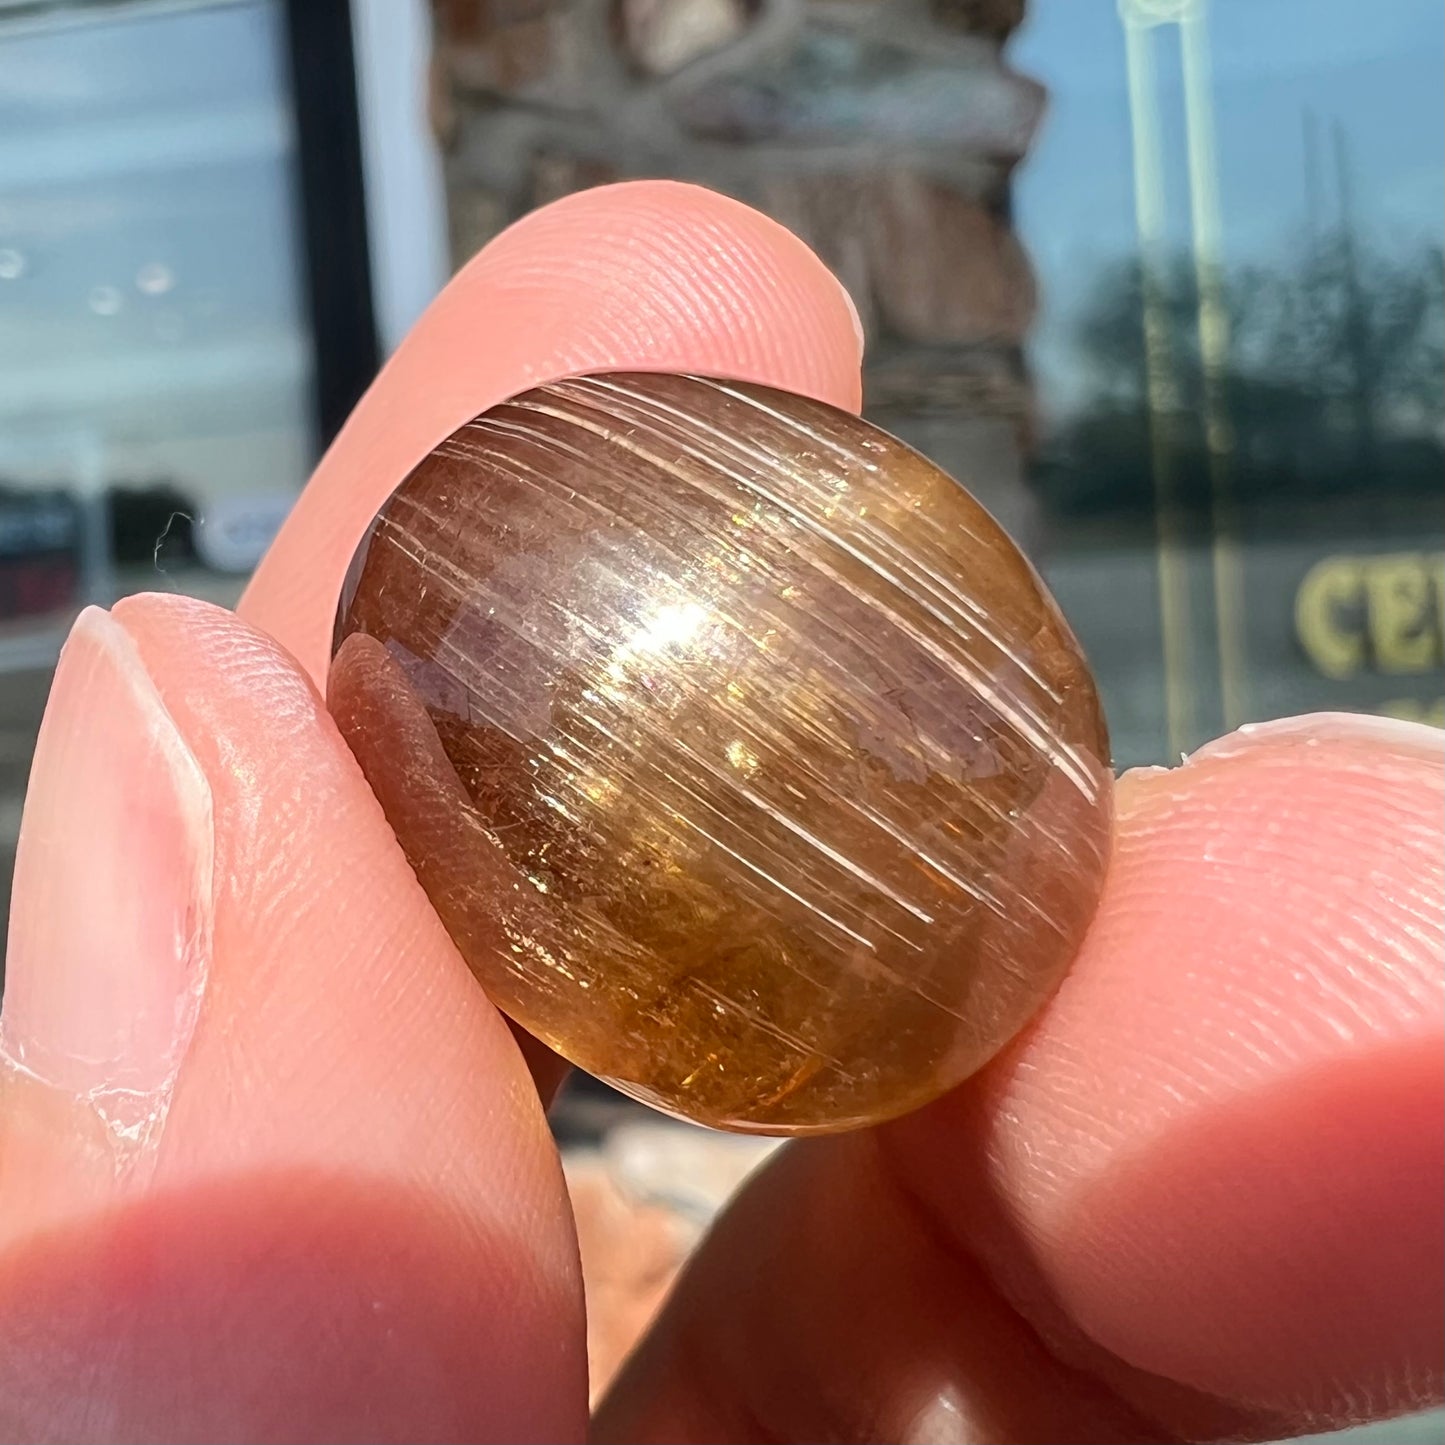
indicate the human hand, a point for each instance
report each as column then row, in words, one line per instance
column 272, row 1168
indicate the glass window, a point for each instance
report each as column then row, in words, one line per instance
column 1159, row 280
column 1235, row 215
column 156, row 369
column 155, row 361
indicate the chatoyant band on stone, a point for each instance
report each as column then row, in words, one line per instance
column 743, row 755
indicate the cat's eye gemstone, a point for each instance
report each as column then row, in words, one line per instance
column 743, row 755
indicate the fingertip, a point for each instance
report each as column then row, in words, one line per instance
column 743, row 296
column 1282, row 1250
column 1387, row 737
column 1209, row 1168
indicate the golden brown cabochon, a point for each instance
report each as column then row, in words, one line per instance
column 743, row 755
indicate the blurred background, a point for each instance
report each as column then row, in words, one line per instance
column 1159, row 280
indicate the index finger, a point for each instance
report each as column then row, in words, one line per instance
column 645, row 276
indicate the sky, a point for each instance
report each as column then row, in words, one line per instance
column 1375, row 69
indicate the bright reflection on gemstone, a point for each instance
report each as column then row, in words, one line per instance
column 668, row 627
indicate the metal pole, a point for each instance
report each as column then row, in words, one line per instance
column 1161, row 386
column 1213, row 321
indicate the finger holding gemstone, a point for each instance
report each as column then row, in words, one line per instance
column 744, row 756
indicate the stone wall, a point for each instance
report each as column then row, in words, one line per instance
column 884, row 132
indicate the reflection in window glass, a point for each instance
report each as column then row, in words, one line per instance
column 1235, row 213
column 154, row 356
column 1159, row 280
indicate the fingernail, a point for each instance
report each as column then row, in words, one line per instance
column 110, row 929
column 1314, row 729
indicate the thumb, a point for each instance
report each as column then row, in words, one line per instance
column 270, row 1165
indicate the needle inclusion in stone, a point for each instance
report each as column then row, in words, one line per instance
column 743, row 755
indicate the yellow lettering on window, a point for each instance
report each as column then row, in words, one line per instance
column 1403, row 636
column 1328, row 616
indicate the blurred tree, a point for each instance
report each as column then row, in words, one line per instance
column 1335, row 383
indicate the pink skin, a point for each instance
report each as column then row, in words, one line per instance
column 1208, row 1179
column 305, row 1189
